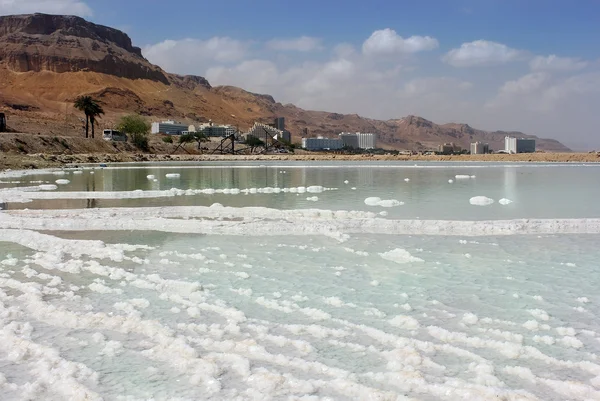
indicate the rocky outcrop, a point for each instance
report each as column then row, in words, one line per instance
column 41, row 42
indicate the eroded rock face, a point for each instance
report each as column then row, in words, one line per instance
column 41, row 42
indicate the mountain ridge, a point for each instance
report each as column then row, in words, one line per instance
column 48, row 60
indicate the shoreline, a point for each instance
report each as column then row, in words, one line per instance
column 42, row 160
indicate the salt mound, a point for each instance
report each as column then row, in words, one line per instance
column 450, row 181
column 505, row 201
column 63, row 182
column 372, row 201
column 48, row 187
column 150, row 177
column 400, row 256
column 173, row 175
column 376, row 201
column 346, row 182
column 78, row 172
column 481, row 201
column 312, row 198
column 462, row 177
column 407, row 179
column 405, row 322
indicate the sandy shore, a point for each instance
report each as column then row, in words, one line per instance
column 34, row 161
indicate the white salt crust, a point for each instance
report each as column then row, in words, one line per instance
column 218, row 352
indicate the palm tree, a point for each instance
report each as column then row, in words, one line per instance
column 92, row 110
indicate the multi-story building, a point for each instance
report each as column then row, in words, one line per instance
column 359, row 140
column 479, row 148
column 519, row 145
column 279, row 123
column 321, row 143
column 168, row 127
column 449, row 148
column 266, row 131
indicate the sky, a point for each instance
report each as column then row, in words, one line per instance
column 522, row 65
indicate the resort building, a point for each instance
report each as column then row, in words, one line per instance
column 449, row 148
column 359, row 140
column 519, row 145
column 266, row 131
column 479, row 148
column 216, row 131
column 321, row 143
column 169, row 127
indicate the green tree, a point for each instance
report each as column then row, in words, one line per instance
column 137, row 128
column 189, row 138
column 253, row 142
column 92, row 110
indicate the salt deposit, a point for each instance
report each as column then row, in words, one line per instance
column 505, row 201
column 150, row 177
column 481, row 201
column 48, row 187
column 173, row 175
column 220, row 302
column 400, row 256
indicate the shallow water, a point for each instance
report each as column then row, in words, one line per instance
column 290, row 301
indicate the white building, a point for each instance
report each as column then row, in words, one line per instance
column 168, row 127
column 264, row 131
column 479, row 148
column 321, row 143
column 359, row 140
column 519, row 145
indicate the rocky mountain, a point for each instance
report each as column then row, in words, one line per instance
column 47, row 60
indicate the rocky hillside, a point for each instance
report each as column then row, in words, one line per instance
column 46, row 61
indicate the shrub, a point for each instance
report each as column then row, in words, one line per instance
column 167, row 139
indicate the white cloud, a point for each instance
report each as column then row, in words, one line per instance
column 301, row 44
column 346, row 80
column 69, row 7
column 555, row 63
column 480, row 53
column 193, row 56
column 387, row 41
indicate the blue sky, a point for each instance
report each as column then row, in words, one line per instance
column 528, row 65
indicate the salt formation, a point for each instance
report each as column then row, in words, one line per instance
column 48, row 187
column 481, row 201
column 376, row 201
column 63, row 182
column 407, row 179
column 150, row 177
column 400, row 256
column 462, row 177
column 505, row 201
column 173, row 175
column 450, row 181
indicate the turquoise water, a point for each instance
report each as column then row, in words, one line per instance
column 141, row 298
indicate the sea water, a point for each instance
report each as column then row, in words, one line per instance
column 288, row 281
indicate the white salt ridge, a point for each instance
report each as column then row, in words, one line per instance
column 173, row 175
column 63, row 182
column 264, row 221
column 27, row 194
column 48, row 187
column 462, row 177
column 481, row 201
column 312, row 198
column 150, row 177
column 505, row 201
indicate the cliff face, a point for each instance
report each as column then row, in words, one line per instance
column 41, row 42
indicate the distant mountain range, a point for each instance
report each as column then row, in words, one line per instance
column 48, row 60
